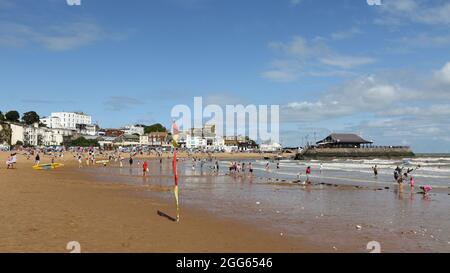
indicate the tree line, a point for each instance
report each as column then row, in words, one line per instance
column 28, row 118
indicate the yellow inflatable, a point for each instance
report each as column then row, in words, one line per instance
column 48, row 166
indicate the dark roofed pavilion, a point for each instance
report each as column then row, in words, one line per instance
column 342, row 141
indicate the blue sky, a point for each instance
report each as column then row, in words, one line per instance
column 332, row 66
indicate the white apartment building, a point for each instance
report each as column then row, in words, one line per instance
column 38, row 136
column 72, row 121
column 54, row 137
column 66, row 120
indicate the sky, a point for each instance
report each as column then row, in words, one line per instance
column 382, row 71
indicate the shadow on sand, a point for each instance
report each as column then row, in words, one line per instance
column 162, row 214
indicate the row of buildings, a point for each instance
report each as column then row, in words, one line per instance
column 49, row 131
column 61, row 127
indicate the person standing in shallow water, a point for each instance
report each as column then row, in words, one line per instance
column 131, row 161
column 308, row 173
column 145, row 169
column 375, row 170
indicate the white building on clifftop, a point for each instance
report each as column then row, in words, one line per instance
column 76, row 121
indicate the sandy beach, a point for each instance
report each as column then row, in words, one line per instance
column 113, row 209
column 41, row 211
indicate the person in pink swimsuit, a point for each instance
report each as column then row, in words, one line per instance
column 411, row 182
column 426, row 189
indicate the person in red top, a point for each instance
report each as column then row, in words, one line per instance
column 145, row 168
column 308, row 173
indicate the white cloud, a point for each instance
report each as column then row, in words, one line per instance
column 346, row 62
column 280, row 76
column 310, row 57
column 120, row 103
column 401, row 5
column 425, row 12
column 365, row 94
column 340, row 35
column 384, row 108
column 423, row 40
column 443, row 76
column 70, row 36
column 56, row 37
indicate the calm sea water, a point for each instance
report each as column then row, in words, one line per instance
column 325, row 215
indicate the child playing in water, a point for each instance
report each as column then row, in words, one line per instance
column 426, row 189
column 411, row 182
column 145, row 168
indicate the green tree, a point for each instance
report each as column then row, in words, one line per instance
column 83, row 142
column 12, row 116
column 30, row 117
column 157, row 127
column 2, row 117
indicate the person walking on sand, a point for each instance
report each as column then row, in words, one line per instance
column 121, row 161
column 37, row 159
column 131, row 161
column 145, row 168
column 80, row 162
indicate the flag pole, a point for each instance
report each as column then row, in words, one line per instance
column 175, row 134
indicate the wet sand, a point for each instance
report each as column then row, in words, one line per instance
column 41, row 211
column 326, row 213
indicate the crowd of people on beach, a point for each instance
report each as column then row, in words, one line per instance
column 88, row 157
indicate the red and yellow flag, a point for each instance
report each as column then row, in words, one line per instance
column 175, row 133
